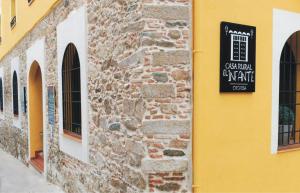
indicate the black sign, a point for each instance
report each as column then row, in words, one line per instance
column 24, row 100
column 51, row 105
column 237, row 66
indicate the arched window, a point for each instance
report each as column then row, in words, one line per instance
column 15, row 94
column 71, row 92
column 289, row 93
column 1, row 95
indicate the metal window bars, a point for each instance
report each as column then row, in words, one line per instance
column 289, row 94
column 15, row 94
column 71, row 92
column 1, row 95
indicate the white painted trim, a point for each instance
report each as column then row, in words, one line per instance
column 15, row 67
column 2, row 76
column 285, row 23
column 37, row 53
column 74, row 30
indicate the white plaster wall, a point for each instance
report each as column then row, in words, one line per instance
column 285, row 23
column 74, row 30
column 37, row 53
column 15, row 67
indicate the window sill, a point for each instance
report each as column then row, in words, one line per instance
column 72, row 136
column 289, row 148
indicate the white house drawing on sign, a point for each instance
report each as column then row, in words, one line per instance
column 239, row 46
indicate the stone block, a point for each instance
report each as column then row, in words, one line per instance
column 115, row 127
column 174, row 34
column 168, row 108
column 164, row 165
column 171, row 58
column 165, row 44
column 133, row 60
column 166, row 12
column 158, row 90
column 168, row 127
column 169, row 187
column 131, row 124
column 173, row 152
column 176, row 24
column 160, row 77
column 180, row 75
column 134, row 27
column 134, row 147
column 134, row 178
column 134, row 108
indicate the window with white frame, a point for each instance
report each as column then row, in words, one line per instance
column 285, row 81
column 72, row 84
column 15, row 92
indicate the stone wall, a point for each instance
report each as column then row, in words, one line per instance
column 140, row 96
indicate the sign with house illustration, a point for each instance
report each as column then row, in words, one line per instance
column 237, row 61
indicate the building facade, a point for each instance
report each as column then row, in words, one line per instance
column 135, row 96
column 96, row 95
column 247, row 142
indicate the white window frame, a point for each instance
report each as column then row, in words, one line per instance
column 74, row 30
column 285, row 23
column 15, row 67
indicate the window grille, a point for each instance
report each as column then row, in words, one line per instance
column 289, row 93
column 15, row 94
column 25, row 99
column 1, row 95
column 71, row 92
column 13, row 22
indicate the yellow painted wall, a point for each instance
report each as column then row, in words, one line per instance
column 35, row 109
column 27, row 16
column 232, row 132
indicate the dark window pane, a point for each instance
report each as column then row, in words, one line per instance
column 1, row 95
column 288, row 133
column 15, row 94
column 71, row 91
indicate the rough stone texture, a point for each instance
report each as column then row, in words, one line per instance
column 171, row 57
column 166, row 127
column 180, row 75
column 139, row 96
column 173, row 153
column 160, row 77
column 166, row 12
column 168, row 108
column 174, row 34
column 165, row 165
column 171, row 186
column 158, row 91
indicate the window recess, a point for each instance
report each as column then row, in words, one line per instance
column 71, row 92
